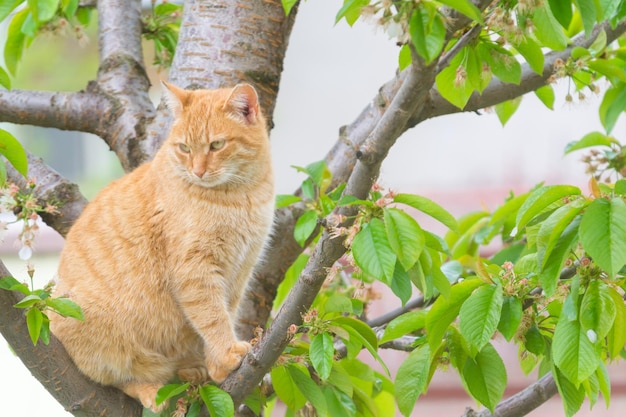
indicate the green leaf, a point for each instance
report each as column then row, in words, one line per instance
column 5, row 80
column 588, row 14
column 501, row 61
column 321, row 353
column 405, row 236
column 28, row 301
column 65, row 307
column 7, row 6
column 613, row 69
column 590, row 139
column 508, row 209
column 404, row 324
column 286, row 388
column 549, row 274
column 372, row 251
column 361, row 333
column 444, row 310
column 217, row 401
column 612, row 106
column 45, row 9
column 427, row 33
column 510, row 316
column 604, row 383
column 562, row 11
column 14, row 45
column 288, row 5
column 69, row 7
column 34, row 320
column 547, row 29
column 312, row 392
column 617, row 335
column 485, row 377
column 412, row 379
column 480, row 314
column 351, row 10
column 532, row 54
column 305, row 226
column 546, row 95
column 572, row 395
column 553, row 227
column 465, row 7
column 534, row 340
column 540, row 199
column 428, row 207
column 284, row 200
column 573, row 352
column 339, row 404
column 603, row 233
column 14, row 152
column 452, row 84
column 169, row 391
column 620, row 187
column 6, row 283
column 404, row 57
column 597, row 310
column 340, row 378
column 401, row 284
column 506, row 109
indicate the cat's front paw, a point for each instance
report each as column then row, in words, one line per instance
column 222, row 366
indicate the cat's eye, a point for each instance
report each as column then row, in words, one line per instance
column 218, row 144
column 184, row 148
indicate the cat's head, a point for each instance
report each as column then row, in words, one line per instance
column 219, row 137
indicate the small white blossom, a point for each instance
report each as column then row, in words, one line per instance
column 394, row 29
column 25, row 253
column 592, row 336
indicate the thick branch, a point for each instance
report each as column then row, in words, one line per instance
column 329, row 250
column 123, row 80
column 52, row 366
column 523, row 402
column 82, row 111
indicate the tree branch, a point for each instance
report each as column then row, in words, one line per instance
column 82, row 111
column 499, row 91
column 52, row 188
column 54, row 369
column 122, row 79
column 328, row 250
column 417, row 302
column 523, row 402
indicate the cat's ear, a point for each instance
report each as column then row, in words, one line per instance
column 243, row 102
column 175, row 98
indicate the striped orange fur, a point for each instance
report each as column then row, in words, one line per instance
column 159, row 260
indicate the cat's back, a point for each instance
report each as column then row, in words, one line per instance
column 114, row 228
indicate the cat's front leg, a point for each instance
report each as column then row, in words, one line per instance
column 203, row 304
column 220, row 367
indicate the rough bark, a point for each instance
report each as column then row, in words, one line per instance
column 523, row 402
column 52, row 366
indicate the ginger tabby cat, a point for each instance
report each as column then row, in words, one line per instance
column 159, row 260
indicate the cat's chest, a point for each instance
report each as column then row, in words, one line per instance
column 218, row 231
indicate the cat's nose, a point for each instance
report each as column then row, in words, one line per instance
column 199, row 172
